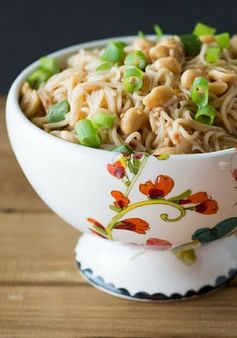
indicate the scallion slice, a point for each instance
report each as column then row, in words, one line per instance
column 136, row 59
column 38, row 77
column 58, row 111
column 124, row 149
column 133, row 79
column 192, row 44
column 158, row 32
column 103, row 120
column 223, row 40
column 87, row 134
column 105, row 66
column 206, row 115
column 213, row 54
column 141, row 35
column 49, row 64
column 202, row 29
column 200, row 91
column 114, row 52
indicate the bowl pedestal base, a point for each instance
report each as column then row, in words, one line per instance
column 144, row 274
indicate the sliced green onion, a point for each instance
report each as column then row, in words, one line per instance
column 133, row 79
column 192, row 44
column 141, row 35
column 202, row 29
column 49, row 64
column 58, row 111
column 158, row 32
column 213, row 54
column 223, row 40
column 200, row 91
column 38, row 77
column 87, row 134
column 136, row 59
column 206, row 115
column 114, row 52
column 124, row 149
column 133, row 71
column 132, row 84
column 103, row 120
column 105, row 66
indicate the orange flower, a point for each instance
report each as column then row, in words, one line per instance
column 96, row 225
column 121, row 201
column 160, row 188
column 208, row 207
column 198, row 197
column 157, row 243
column 116, row 169
column 133, row 224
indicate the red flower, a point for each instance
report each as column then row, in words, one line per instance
column 121, row 201
column 160, row 188
column 199, row 197
column 116, row 169
column 234, row 174
column 157, row 243
column 97, row 225
column 208, row 207
column 133, row 224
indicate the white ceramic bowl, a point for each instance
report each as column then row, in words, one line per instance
column 175, row 204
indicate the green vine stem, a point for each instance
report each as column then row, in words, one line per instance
column 135, row 177
column 163, row 216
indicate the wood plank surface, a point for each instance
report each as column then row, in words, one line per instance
column 42, row 294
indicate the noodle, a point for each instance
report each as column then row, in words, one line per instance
column 167, row 127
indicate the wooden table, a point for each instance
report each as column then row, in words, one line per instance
column 43, row 295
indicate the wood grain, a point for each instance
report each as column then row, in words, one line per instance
column 43, row 295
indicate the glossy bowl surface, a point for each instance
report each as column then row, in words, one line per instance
column 180, row 202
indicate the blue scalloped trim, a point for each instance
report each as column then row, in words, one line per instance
column 99, row 281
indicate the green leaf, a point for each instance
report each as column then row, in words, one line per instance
column 114, row 208
column 181, row 196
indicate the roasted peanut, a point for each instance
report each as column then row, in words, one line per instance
column 168, row 62
column 158, row 51
column 143, row 45
column 175, row 49
column 218, row 87
column 233, row 45
column 158, row 96
column 146, row 84
column 168, row 47
column 30, row 101
column 132, row 120
column 219, row 75
column 207, row 38
column 166, row 151
column 189, row 76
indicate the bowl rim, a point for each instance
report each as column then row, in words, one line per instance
column 13, row 100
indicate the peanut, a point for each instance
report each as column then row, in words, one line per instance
column 207, row 38
column 189, row 76
column 218, row 87
column 158, row 96
column 143, row 45
column 168, row 62
column 166, row 151
column 168, row 47
column 219, row 75
column 30, row 102
column 233, row 45
column 158, row 51
column 132, row 120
